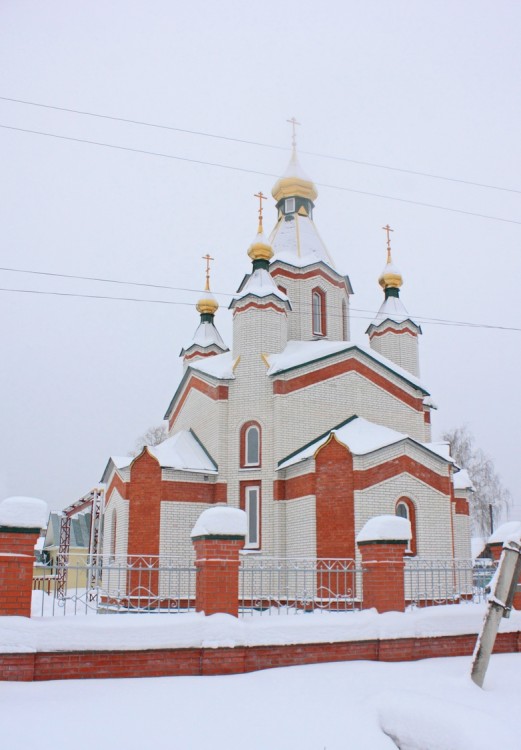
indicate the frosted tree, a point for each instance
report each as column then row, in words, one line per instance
column 153, row 436
column 490, row 496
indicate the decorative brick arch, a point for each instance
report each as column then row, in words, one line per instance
column 318, row 312
column 246, row 434
column 405, row 503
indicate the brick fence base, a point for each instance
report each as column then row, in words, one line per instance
column 69, row 665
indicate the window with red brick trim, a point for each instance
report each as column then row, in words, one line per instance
column 318, row 311
column 251, row 445
column 405, row 509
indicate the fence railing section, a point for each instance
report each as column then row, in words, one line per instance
column 446, row 581
column 96, row 585
column 291, row 586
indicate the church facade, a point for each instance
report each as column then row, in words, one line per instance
column 308, row 432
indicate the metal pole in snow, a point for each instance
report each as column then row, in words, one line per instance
column 499, row 605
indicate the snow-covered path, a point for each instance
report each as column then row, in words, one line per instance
column 425, row 705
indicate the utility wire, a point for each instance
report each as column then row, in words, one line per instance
column 431, row 321
column 257, row 172
column 159, row 126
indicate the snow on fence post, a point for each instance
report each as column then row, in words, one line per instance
column 382, row 542
column 496, row 542
column 21, row 519
column 218, row 537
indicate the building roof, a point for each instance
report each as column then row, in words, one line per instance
column 80, row 529
column 361, row 437
column 206, row 334
column 300, row 353
column 183, row 452
column 220, row 366
column 298, row 242
column 259, row 284
column 462, row 481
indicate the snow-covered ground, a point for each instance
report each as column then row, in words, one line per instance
column 138, row 631
column 425, row 705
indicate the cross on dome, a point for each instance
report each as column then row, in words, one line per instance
column 388, row 229
column 293, row 122
column 207, row 258
column 260, row 195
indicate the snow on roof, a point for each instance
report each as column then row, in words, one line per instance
column 183, row 451
column 219, row 366
column 294, row 168
column 442, row 448
column 298, row 353
column 205, row 335
column 261, row 284
column 360, row 435
column 462, row 481
column 298, row 242
column 427, row 401
column 220, row 521
column 385, row 528
column 506, row 532
column 477, row 545
column 392, row 308
column 24, row 512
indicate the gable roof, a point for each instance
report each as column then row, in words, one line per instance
column 300, row 353
column 360, row 436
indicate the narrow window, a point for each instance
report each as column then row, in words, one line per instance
column 318, row 307
column 289, row 206
column 250, row 445
column 344, row 320
column 252, row 513
column 405, row 509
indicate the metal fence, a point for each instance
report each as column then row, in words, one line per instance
column 272, row 585
column 445, row 581
column 96, row 585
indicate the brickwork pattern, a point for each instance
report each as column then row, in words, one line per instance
column 383, row 576
column 217, row 563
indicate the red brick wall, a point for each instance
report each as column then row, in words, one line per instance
column 383, row 565
column 200, row 661
column 16, row 571
column 335, row 510
column 217, row 582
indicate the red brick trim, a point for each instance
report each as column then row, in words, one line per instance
column 427, row 417
column 215, row 392
column 284, row 387
column 198, row 353
column 259, row 306
column 308, row 275
column 71, row 665
column 461, row 506
column 374, row 334
column 401, row 465
column 289, row 489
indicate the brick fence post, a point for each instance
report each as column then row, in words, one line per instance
column 218, row 537
column 509, row 530
column 21, row 520
column 382, row 543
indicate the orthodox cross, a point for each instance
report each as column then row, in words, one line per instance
column 388, row 229
column 293, row 123
column 260, row 195
column 207, row 258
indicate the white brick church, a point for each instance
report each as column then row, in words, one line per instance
column 310, row 433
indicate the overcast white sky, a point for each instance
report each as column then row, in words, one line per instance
column 429, row 87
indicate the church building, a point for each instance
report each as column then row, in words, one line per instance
column 309, row 432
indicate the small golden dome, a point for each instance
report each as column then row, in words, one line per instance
column 294, row 182
column 260, row 249
column 207, row 304
column 390, row 278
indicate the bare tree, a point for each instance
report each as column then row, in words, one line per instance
column 153, row 436
column 490, row 496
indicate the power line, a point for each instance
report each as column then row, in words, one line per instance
column 244, row 141
column 428, row 321
column 257, row 172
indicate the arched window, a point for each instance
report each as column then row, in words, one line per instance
column 318, row 310
column 405, row 509
column 250, row 445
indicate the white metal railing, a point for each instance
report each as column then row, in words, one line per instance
column 446, row 581
column 99, row 584
column 274, row 585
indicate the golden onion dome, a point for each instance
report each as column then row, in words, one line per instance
column 390, row 276
column 294, row 182
column 260, row 249
column 207, row 304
